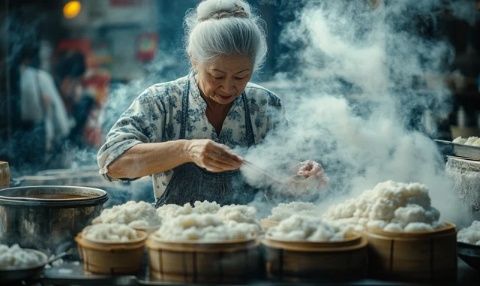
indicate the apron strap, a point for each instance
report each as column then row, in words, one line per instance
column 250, row 137
column 248, row 122
column 183, row 123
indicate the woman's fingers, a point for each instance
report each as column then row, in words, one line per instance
column 214, row 157
column 310, row 168
column 215, row 164
column 222, row 153
column 313, row 175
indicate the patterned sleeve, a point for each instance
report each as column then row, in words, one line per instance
column 142, row 122
column 276, row 115
column 267, row 111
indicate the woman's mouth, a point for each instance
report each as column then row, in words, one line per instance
column 225, row 97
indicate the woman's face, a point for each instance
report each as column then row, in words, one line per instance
column 224, row 79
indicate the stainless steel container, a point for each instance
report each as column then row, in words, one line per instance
column 47, row 217
column 465, row 175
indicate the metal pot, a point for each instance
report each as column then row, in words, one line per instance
column 47, row 217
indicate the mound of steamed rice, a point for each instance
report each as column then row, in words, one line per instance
column 471, row 141
column 133, row 214
column 470, row 234
column 237, row 213
column 110, row 232
column 205, row 228
column 391, row 206
column 15, row 257
column 306, row 228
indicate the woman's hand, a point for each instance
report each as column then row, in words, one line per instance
column 309, row 176
column 212, row 156
column 309, row 169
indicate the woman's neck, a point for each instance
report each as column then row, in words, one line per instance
column 215, row 112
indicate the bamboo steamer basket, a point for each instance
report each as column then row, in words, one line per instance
column 419, row 256
column 236, row 261
column 105, row 257
column 306, row 260
column 4, row 175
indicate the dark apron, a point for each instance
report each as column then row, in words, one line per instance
column 190, row 183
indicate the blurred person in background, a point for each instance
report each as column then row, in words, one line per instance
column 44, row 123
column 182, row 132
column 80, row 101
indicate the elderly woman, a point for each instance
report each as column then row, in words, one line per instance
column 181, row 131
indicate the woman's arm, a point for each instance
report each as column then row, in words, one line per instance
column 131, row 149
column 149, row 158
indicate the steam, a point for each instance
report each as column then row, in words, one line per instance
column 358, row 97
column 362, row 92
column 464, row 9
column 164, row 68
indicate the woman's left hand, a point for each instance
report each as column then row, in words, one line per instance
column 309, row 168
column 310, row 174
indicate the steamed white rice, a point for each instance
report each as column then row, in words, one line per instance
column 207, row 221
column 134, row 214
column 470, row 234
column 306, row 228
column 111, row 232
column 391, row 206
column 205, row 228
column 472, row 141
column 15, row 257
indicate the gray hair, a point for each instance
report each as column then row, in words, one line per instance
column 225, row 27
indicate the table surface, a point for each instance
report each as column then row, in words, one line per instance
column 71, row 272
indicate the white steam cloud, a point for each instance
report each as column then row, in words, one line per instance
column 360, row 96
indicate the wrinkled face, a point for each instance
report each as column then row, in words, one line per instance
column 224, row 79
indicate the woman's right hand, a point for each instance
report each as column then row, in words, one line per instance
column 212, row 156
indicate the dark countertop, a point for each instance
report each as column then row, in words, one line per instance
column 71, row 272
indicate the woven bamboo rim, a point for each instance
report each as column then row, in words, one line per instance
column 353, row 241
column 103, row 245
column 155, row 243
column 447, row 228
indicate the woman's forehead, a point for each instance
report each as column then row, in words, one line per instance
column 230, row 64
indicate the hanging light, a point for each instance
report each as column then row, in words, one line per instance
column 72, row 9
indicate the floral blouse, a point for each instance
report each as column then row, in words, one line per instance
column 155, row 116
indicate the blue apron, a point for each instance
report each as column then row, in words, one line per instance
column 190, row 183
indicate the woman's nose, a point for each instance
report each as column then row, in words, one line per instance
column 229, row 86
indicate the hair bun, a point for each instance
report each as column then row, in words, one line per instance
column 218, row 9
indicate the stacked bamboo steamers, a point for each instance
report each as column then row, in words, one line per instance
column 203, row 243
column 394, row 222
column 395, row 235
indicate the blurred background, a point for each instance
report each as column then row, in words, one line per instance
column 101, row 54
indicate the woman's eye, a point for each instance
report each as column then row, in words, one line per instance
column 239, row 78
column 216, row 76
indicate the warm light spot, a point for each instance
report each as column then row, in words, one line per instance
column 72, row 9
